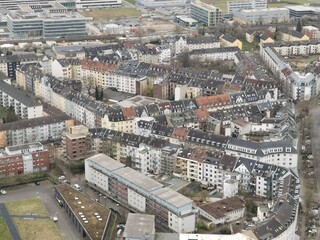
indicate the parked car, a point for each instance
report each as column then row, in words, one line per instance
column 37, row 183
column 62, row 177
column 3, row 192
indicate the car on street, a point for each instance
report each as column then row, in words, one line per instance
column 37, row 183
column 62, row 177
column 3, row 192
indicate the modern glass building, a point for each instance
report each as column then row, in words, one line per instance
column 47, row 24
column 204, row 13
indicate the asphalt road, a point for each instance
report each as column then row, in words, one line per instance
column 45, row 191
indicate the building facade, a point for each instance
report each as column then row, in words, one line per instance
column 204, row 13
column 23, row 159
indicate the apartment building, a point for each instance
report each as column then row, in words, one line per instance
column 279, row 153
column 172, row 210
column 261, row 16
column 49, row 128
column 228, row 40
column 238, row 5
column 204, row 13
column 61, row 68
column 76, row 143
column 10, row 63
column 23, row 159
column 296, row 85
column 25, row 106
column 311, row 31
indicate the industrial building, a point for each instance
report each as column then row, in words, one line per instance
column 172, row 210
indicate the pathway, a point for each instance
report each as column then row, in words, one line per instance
column 6, row 216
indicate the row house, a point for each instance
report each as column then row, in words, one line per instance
column 182, row 44
column 297, row 48
column 215, row 54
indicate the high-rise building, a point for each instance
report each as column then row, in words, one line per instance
column 204, row 13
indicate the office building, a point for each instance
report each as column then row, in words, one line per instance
column 234, row 6
column 298, row 11
column 166, row 3
column 88, row 4
column 206, row 14
column 23, row 159
column 46, row 24
column 261, row 16
column 172, row 210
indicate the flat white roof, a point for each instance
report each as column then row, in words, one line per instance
column 106, row 162
column 139, row 226
column 172, row 197
column 138, row 179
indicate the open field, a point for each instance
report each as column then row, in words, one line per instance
column 37, row 229
column 222, row 4
column 4, row 231
column 112, row 13
column 28, row 206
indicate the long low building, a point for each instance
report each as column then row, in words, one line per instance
column 173, row 211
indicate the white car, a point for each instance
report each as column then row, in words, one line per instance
column 62, row 177
column 3, row 192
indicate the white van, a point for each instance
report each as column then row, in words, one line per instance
column 77, row 186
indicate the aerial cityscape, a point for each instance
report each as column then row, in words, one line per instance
column 159, row 120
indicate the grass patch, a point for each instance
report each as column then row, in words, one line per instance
column 4, row 231
column 37, row 229
column 28, row 206
column 133, row 2
column 246, row 46
column 112, row 13
column 222, row 4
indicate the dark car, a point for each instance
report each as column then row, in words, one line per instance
column 37, row 183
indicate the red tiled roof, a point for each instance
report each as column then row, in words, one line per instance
column 128, row 113
column 213, row 101
column 198, row 154
column 180, row 133
column 97, row 66
column 202, row 114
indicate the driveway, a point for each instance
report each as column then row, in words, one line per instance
column 45, row 191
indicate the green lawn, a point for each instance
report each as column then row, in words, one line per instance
column 27, row 206
column 37, row 229
column 133, row 2
column 4, row 231
column 112, row 13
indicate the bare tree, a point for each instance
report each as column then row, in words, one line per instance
column 89, row 83
column 140, row 32
column 108, row 147
column 184, row 59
